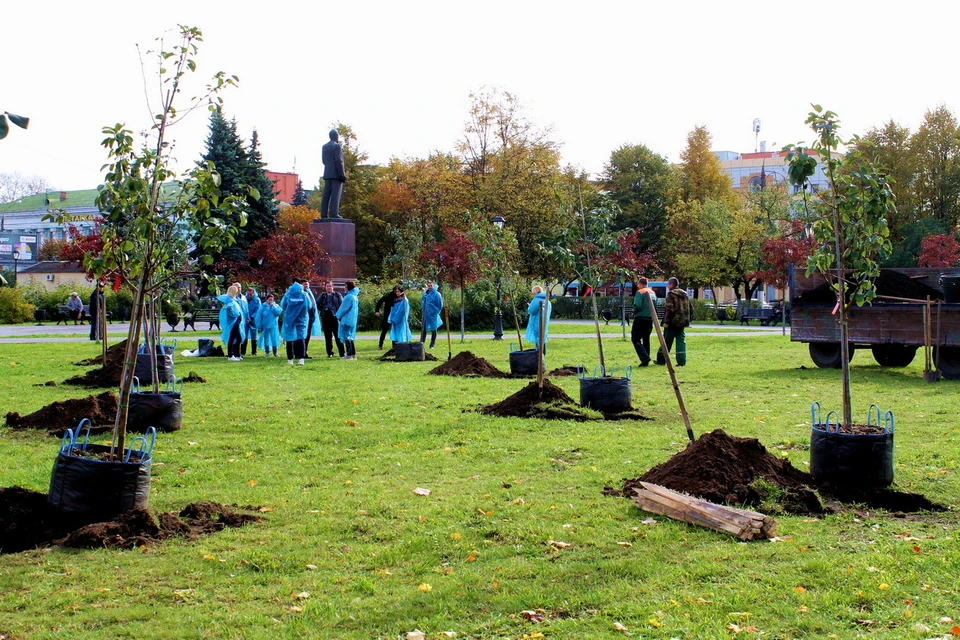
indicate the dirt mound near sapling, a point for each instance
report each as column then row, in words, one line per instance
column 532, row 401
column 729, row 470
column 565, row 370
column 391, row 356
column 57, row 417
column 27, row 521
column 107, row 375
column 193, row 376
column 113, row 352
column 466, row 363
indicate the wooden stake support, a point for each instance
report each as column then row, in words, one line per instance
column 745, row 525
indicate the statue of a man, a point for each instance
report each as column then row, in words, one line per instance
column 333, row 177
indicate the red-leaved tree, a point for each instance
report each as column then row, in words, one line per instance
column 938, row 251
column 457, row 259
column 777, row 254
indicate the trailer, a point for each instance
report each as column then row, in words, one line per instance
column 892, row 328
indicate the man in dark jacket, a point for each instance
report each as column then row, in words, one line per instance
column 334, row 175
column 382, row 311
column 679, row 312
column 96, row 304
column 327, row 305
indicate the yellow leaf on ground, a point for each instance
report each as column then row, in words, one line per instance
column 252, row 483
column 800, row 590
column 426, row 588
column 884, row 586
column 653, row 622
column 351, row 423
column 303, row 595
column 455, row 536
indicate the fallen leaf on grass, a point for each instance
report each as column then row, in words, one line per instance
column 420, row 491
column 558, row 544
column 800, row 590
column 294, row 609
column 312, row 567
column 625, row 544
column 351, row 423
column 883, row 587
column 383, row 572
column 533, row 615
column 472, row 557
column 653, row 622
column 955, row 631
column 303, row 595
column 252, row 483
column 426, row 588
column 416, row 634
column 648, row 521
column 619, row 627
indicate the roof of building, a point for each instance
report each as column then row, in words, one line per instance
column 53, row 266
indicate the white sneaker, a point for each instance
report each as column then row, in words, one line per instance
column 289, row 361
column 233, row 359
column 300, row 361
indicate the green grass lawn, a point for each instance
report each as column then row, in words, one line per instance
column 334, row 451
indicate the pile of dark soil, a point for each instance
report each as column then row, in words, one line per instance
column 552, row 403
column 565, row 370
column 466, row 363
column 391, row 356
column 741, row 472
column 113, row 352
column 58, row 417
column 107, row 375
column 193, row 376
column 889, row 283
column 28, row 522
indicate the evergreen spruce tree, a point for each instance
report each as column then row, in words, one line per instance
column 299, row 196
column 240, row 170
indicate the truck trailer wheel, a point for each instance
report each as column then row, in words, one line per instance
column 826, row 355
column 948, row 361
column 893, row 355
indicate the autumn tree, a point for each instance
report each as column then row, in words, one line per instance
column 291, row 251
column 511, row 168
column 936, row 148
column 51, row 249
column 939, row 251
column 643, row 184
column 777, row 254
column 701, row 177
column 455, row 259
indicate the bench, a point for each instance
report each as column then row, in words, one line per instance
column 210, row 316
column 63, row 314
column 766, row 317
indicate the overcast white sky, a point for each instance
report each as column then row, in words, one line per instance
column 601, row 73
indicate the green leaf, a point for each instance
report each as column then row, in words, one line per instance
column 21, row 121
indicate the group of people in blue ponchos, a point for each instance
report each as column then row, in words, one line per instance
column 245, row 320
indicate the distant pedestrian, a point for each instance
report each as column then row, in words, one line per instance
column 347, row 315
column 311, row 318
column 75, row 307
column 642, row 321
column 268, row 325
column 327, row 305
column 295, row 322
column 533, row 324
column 232, row 328
column 679, row 312
column 432, row 305
column 252, row 300
column 382, row 311
column 97, row 303
column 400, row 317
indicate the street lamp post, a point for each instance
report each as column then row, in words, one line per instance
column 498, row 313
column 16, row 258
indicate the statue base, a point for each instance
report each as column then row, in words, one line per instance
column 338, row 240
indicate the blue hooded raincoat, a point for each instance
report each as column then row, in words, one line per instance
column 347, row 314
column 230, row 314
column 253, row 308
column 267, row 322
column 294, row 305
column 432, row 306
column 400, row 321
column 533, row 324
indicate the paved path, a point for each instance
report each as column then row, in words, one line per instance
column 51, row 332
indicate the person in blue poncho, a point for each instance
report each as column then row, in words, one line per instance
column 232, row 330
column 267, row 322
column 400, row 317
column 347, row 315
column 252, row 300
column 533, row 324
column 432, row 304
column 294, row 332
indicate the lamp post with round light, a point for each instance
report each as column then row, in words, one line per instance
column 16, row 258
column 498, row 222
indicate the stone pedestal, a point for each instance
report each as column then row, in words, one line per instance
column 338, row 239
